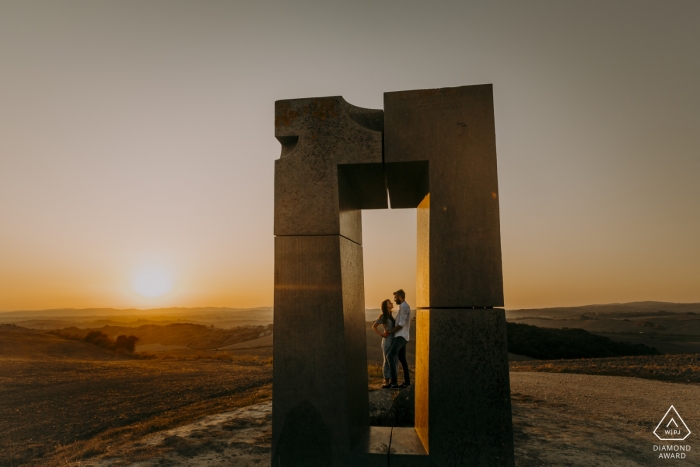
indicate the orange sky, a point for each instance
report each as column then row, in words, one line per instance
column 140, row 135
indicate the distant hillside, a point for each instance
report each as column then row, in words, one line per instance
column 609, row 310
column 223, row 317
column 192, row 336
column 18, row 342
column 553, row 344
column 670, row 327
column 98, row 317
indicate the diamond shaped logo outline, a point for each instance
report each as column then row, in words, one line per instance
column 669, row 422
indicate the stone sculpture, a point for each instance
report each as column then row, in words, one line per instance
column 433, row 150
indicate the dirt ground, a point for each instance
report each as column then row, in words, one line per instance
column 559, row 420
column 589, row 420
column 91, row 408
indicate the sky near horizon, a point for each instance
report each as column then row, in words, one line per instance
column 137, row 142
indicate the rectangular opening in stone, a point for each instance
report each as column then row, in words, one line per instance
column 389, row 251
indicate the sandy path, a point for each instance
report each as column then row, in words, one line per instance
column 559, row 420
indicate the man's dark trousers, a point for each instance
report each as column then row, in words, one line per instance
column 398, row 350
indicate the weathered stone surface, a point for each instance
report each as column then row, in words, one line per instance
column 331, row 167
column 447, row 137
column 316, row 192
column 373, row 450
column 320, row 370
column 406, row 449
column 463, row 410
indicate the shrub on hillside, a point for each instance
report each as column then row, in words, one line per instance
column 126, row 343
column 98, row 338
column 123, row 344
column 553, row 344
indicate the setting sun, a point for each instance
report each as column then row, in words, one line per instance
column 152, row 281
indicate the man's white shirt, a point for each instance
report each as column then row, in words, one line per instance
column 403, row 318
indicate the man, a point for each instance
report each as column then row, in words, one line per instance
column 398, row 348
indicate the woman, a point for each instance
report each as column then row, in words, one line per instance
column 386, row 320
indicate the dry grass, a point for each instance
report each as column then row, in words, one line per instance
column 375, row 376
column 668, row 367
column 60, row 412
column 69, row 401
column 216, row 356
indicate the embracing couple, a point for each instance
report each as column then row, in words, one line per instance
column 394, row 338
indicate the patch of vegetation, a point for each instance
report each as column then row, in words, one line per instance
column 653, row 335
column 554, row 344
column 123, row 344
column 650, row 324
column 193, row 336
column 683, row 368
column 532, row 317
column 242, row 359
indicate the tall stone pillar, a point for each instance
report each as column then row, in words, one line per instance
column 330, row 168
column 440, row 157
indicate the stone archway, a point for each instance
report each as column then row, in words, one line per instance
column 433, row 150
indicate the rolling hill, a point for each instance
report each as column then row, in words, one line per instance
column 22, row 343
column 192, row 336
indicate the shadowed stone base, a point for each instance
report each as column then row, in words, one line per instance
column 463, row 411
column 406, row 449
column 375, row 447
column 395, row 447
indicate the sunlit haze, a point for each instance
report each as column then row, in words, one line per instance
column 152, row 281
column 137, row 143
